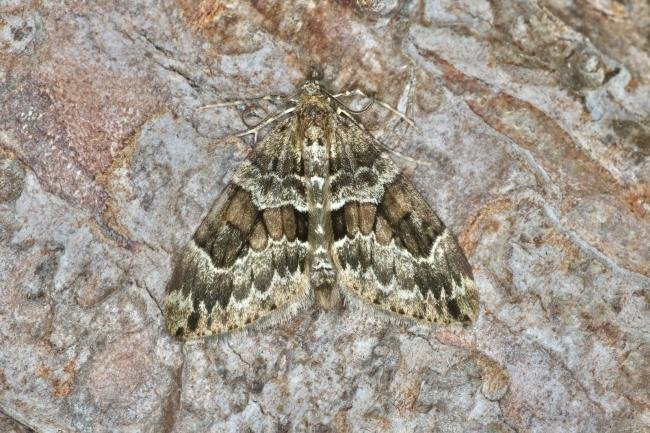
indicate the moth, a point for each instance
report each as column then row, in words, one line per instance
column 317, row 214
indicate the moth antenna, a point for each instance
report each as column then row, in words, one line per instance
column 346, row 113
column 249, row 111
column 404, row 156
column 270, row 98
column 266, row 121
column 349, row 110
column 359, row 92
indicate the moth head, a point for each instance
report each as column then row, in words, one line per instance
column 314, row 105
column 311, row 88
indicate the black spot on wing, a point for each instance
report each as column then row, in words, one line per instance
column 222, row 290
column 302, row 225
column 349, row 255
column 384, row 272
column 280, row 262
column 431, row 280
column 263, row 275
column 453, row 308
column 292, row 183
column 365, row 254
column 366, row 178
column 338, row 223
column 193, row 321
column 339, row 181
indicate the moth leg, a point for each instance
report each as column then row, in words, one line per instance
column 264, row 122
column 346, row 113
column 359, row 92
column 404, row 156
column 267, row 121
column 250, row 111
column 353, row 92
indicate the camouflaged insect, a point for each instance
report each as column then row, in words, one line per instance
column 317, row 213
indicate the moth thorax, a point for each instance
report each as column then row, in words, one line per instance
column 311, row 87
column 315, row 152
column 314, row 133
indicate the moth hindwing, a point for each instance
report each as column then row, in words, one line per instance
column 316, row 212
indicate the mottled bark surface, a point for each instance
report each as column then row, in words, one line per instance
column 534, row 147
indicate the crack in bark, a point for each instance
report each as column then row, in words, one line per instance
column 144, row 284
column 19, row 420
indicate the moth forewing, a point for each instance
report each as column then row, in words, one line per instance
column 317, row 209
